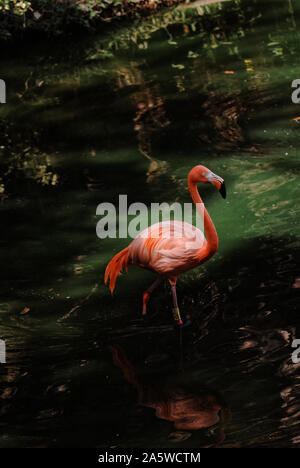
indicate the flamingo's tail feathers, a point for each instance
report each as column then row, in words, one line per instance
column 115, row 267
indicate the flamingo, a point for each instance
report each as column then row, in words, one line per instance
column 165, row 247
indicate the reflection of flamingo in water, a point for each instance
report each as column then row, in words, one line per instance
column 187, row 408
column 165, row 247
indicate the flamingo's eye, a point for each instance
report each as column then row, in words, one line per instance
column 208, row 176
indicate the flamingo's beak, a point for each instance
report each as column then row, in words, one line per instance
column 222, row 189
column 218, row 182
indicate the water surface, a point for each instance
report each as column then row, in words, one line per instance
column 132, row 110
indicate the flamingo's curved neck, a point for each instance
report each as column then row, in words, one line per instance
column 209, row 227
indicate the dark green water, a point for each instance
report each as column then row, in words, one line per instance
column 132, row 111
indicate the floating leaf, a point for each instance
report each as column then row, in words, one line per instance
column 179, row 66
column 192, row 54
column 37, row 15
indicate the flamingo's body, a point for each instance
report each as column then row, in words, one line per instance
column 159, row 249
column 166, row 247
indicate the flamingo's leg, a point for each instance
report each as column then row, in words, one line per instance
column 176, row 313
column 147, row 293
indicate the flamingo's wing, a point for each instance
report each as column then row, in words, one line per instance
column 167, row 246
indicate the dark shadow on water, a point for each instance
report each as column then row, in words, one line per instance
column 237, row 350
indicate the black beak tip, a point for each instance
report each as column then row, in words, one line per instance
column 223, row 190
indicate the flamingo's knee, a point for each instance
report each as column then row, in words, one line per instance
column 146, row 297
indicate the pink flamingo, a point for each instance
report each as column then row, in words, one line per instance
column 165, row 247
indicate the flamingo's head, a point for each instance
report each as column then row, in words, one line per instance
column 200, row 174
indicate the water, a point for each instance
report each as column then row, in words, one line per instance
column 132, row 110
